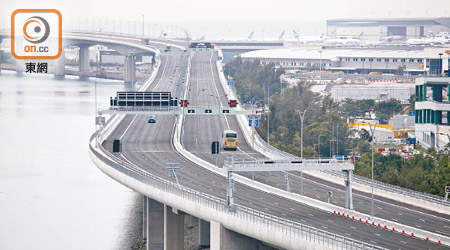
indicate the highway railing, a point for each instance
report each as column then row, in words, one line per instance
column 360, row 179
column 263, row 219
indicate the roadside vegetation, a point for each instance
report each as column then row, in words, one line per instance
column 325, row 128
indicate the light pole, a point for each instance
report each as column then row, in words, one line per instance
column 331, row 147
column 320, row 67
column 318, row 144
column 440, row 63
column 268, row 116
column 372, row 131
column 143, row 25
column 302, row 118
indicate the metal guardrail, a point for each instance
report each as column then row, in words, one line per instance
column 360, row 179
column 366, row 181
column 295, row 229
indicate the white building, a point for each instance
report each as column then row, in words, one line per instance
column 346, row 60
column 432, row 118
column 375, row 91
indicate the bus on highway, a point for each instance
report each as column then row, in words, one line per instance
column 230, row 139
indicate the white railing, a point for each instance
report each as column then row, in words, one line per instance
column 263, row 219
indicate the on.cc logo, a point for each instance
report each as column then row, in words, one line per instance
column 36, row 29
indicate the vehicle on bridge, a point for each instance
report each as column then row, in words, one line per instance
column 151, row 119
column 230, row 139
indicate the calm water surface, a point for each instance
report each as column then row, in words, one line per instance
column 51, row 194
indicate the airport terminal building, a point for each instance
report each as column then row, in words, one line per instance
column 428, row 61
column 382, row 28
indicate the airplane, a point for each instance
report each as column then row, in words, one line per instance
column 307, row 39
column 344, row 40
column 251, row 38
column 439, row 39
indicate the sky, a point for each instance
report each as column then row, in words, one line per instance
column 235, row 18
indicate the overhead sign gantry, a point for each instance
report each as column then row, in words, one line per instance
column 288, row 165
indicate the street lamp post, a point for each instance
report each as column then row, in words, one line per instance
column 372, row 131
column 302, row 118
column 318, row 144
column 143, row 25
column 268, row 116
column 320, row 67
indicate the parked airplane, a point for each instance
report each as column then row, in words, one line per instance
column 439, row 39
column 344, row 40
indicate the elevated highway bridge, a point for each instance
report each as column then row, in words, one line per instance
column 147, row 148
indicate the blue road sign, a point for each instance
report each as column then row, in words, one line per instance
column 230, row 83
column 412, row 113
column 256, row 122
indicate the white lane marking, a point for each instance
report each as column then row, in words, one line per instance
column 404, row 242
column 331, row 221
column 325, row 227
column 162, row 74
column 377, row 200
column 311, row 215
column 422, row 220
column 352, row 227
column 399, row 213
column 129, row 125
column 348, row 234
column 374, row 242
column 377, row 234
column 292, row 208
column 417, row 226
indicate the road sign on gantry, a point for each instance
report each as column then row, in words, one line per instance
column 215, row 147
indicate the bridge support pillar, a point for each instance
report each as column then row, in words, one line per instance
column 84, row 60
column 224, row 239
column 204, row 234
column 348, row 190
column 173, row 229
column 130, row 69
column 59, row 66
column 144, row 217
column 155, row 225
